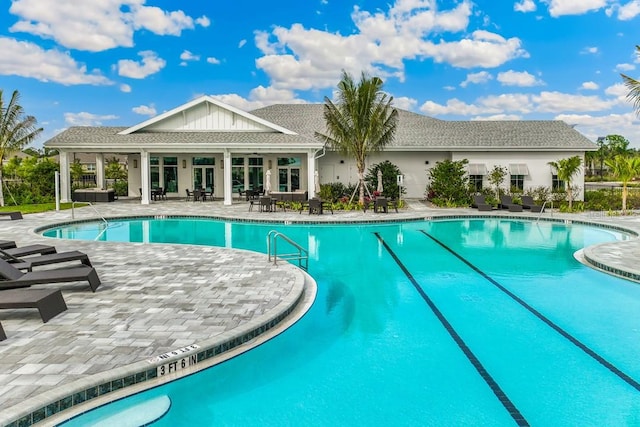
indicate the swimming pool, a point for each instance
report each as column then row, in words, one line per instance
column 468, row 322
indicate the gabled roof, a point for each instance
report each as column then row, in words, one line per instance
column 419, row 131
column 203, row 100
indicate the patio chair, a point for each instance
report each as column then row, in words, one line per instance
column 27, row 250
column 264, row 204
column 49, row 302
column 507, row 203
column 33, row 261
column 12, row 215
column 17, row 279
column 480, row 204
column 7, row 244
column 315, row 206
column 529, row 203
column 189, row 195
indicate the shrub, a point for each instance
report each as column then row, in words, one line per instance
column 449, row 184
column 390, row 174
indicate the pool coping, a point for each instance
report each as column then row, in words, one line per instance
column 77, row 395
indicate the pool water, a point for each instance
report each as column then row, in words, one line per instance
column 444, row 323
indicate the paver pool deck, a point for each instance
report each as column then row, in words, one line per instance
column 156, row 298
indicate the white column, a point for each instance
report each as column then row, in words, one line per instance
column 100, row 171
column 311, row 169
column 145, row 178
column 65, row 178
column 227, row 181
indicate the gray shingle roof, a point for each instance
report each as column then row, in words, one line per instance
column 415, row 132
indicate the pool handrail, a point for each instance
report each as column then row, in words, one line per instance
column 302, row 256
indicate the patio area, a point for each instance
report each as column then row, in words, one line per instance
column 159, row 298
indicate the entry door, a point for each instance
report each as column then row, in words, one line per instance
column 288, row 179
column 203, row 178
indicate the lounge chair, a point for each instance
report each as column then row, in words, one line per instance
column 7, row 244
column 28, row 263
column 31, row 250
column 18, row 279
column 507, row 203
column 3, row 336
column 12, row 215
column 480, row 204
column 528, row 203
column 49, row 302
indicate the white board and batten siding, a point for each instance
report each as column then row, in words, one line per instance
column 207, row 117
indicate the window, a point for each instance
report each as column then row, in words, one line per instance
column 476, row 182
column 517, row 181
column 155, row 171
column 237, row 173
column 204, row 161
column 556, row 184
column 255, row 173
column 170, row 174
column 289, row 173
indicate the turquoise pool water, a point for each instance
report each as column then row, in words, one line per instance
column 445, row 323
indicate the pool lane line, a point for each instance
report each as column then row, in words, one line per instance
column 610, row 366
column 486, row 376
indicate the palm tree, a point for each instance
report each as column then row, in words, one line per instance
column 566, row 170
column 625, row 168
column 360, row 122
column 634, row 87
column 16, row 130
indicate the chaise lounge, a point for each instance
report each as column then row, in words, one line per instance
column 31, row 250
column 507, row 203
column 49, row 302
column 528, row 203
column 28, row 263
column 7, row 244
column 12, row 215
column 480, row 204
column 18, row 279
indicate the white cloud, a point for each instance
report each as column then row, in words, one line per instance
column 518, row 78
column 405, row 103
column 188, row 56
column 145, row 110
column 629, row 10
column 86, row 119
column 497, row 117
column 213, row 60
column 574, row 7
column 525, row 6
column 203, row 21
column 25, row 59
column 477, row 78
column 557, row 102
column 590, row 50
column 299, row 58
column 260, row 97
column 593, row 127
column 125, row 88
column 589, row 86
column 242, row 43
column 625, row 67
column 97, row 25
column 618, row 90
column 151, row 64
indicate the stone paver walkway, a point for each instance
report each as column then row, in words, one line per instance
column 156, row 298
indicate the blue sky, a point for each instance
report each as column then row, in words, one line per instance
column 119, row 62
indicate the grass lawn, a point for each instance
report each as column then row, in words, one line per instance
column 41, row 207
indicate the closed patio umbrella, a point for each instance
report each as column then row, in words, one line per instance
column 316, row 179
column 267, row 184
column 379, row 189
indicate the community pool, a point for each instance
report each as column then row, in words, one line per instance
column 441, row 323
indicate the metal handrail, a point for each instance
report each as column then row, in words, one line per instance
column 302, row 256
column 106, row 223
column 542, row 210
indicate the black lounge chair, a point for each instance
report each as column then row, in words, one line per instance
column 49, row 302
column 507, row 203
column 7, row 244
column 12, row 215
column 31, row 250
column 528, row 203
column 480, row 204
column 18, row 279
column 28, row 263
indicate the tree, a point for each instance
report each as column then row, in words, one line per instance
column 76, row 171
column 566, row 169
column 625, row 168
column 634, row 88
column 449, row 183
column 496, row 178
column 16, row 130
column 617, row 145
column 390, row 174
column 361, row 121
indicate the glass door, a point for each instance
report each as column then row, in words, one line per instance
column 203, row 178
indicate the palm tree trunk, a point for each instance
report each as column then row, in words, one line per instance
column 1, row 188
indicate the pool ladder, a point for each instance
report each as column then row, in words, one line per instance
column 106, row 223
column 301, row 254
